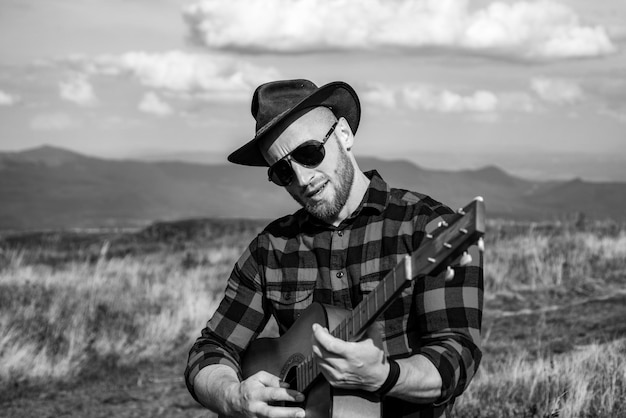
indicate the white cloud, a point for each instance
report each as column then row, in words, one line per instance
column 556, row 90
column 437, row 99
column 152, row 103
column 7, row 99
column 183, row 72
column 57, row 121
column 445, row 101
column 543, row 29
column 78, row 90
column 379, row 95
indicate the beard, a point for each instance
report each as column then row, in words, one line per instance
column 327, row 211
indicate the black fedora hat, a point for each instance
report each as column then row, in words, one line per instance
column 277, row 101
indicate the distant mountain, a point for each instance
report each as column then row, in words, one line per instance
column 49, row 187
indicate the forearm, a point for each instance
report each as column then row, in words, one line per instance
column 419, row 381
column 213, row 386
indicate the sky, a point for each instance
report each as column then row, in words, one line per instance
column 444, row 83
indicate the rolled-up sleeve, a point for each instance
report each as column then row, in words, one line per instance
column 238, row 320
column 449, row 315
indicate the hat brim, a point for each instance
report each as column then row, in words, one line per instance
column 337, row 96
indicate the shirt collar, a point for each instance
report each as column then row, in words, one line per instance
column 375, row 200
column 377, row 194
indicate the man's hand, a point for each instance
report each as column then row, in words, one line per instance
column 219, row 389
column 252, row 397
column 349, row 365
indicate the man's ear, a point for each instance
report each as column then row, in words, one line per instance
column 344, row 133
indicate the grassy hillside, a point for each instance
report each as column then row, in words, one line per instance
column 98, row 324
column 54, row 188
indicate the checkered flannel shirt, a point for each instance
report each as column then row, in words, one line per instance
column 298, row 259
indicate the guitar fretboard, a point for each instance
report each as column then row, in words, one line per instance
column 442, row 245
column 364, row 315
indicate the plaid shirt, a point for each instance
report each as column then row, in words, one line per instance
column 298, row 259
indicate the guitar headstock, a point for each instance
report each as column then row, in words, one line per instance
column 450, row 240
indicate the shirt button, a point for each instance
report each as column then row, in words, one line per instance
column 287, row 295
column 340, row 233
column 340, row 274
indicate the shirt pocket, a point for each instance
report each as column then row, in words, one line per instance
column 289, row 299
column 370, row 282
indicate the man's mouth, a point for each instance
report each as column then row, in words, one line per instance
column 316, row 190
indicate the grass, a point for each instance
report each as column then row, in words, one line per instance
column 104, row 303
column 590, row 382
column 73, row 304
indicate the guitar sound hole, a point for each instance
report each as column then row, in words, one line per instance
column 291, row 378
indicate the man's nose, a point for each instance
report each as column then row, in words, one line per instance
column 302, row 175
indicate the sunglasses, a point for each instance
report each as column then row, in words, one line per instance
column 310, row 154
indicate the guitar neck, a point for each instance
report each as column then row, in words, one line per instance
column 361, row 317
column 440, row 247
column 374, row 303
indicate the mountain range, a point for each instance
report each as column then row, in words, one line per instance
column 49, row 187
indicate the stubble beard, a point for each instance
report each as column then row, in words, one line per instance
column 327, row 211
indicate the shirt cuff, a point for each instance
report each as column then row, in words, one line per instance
column 446, row 371
column 192, row 371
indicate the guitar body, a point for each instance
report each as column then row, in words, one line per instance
column 280, row 356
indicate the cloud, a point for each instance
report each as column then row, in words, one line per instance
column 445, row 101
column 78, row 90
column 7, row 99
column 182, row 72
column 379, row 95
column 557, row 91
column 57, row 121
column 151, row 103
column 542, row 29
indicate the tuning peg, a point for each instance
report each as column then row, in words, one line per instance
column 466, row 258
column 479, row 199
column 442, row 223
column 449, row 274
column 461, row 211
column 481, row 244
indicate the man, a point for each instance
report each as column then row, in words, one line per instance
column 351, row 231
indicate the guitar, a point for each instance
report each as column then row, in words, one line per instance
column 290, row 356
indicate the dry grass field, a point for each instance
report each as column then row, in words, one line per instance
column 98, row 324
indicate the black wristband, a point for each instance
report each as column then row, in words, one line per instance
column 392, row 379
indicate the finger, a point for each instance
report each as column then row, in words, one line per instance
column 282, row 395
column 326, row 341
column 281, row 412
column 267, row 379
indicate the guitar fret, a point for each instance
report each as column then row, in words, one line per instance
column 314, row 370
column 360, row 316
column 354, row 327
column 385, row 290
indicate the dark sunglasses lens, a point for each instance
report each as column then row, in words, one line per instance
column 310, row 155
column 281, row 173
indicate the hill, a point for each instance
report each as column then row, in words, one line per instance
column 49, row 187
